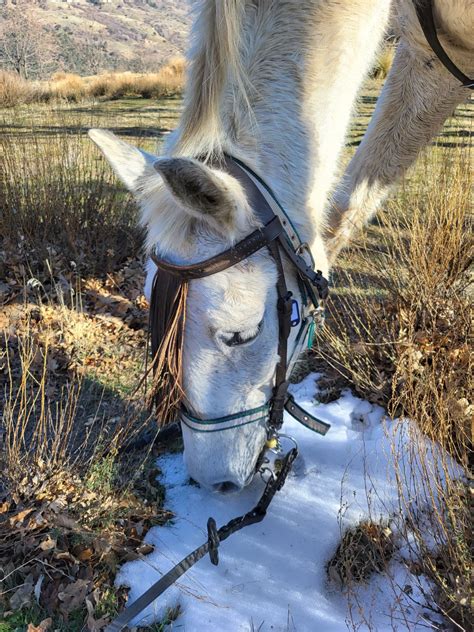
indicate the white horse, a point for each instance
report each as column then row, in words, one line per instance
column 273, row 82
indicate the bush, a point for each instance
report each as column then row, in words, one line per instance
column 168, row 81
column 68, row 86
column 56, row 197
column 14, row 90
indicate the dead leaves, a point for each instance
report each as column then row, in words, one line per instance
column 104, row 332
column 73, row 596
column 93, row 624
column 364, row 550
column 23, row 595
column 62, row 551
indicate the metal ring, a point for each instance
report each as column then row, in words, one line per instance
column 292, row 439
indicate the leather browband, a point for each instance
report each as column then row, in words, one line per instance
column 242, row 250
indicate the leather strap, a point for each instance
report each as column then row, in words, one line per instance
column 313, row 279
column 301, row 415
column 259, row 196
column 424, row 11
column 284, row 327
column 242, row 250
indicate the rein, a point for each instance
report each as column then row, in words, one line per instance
column 279, row 236
column 214, row 538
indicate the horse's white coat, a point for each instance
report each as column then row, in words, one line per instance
column 280, row 98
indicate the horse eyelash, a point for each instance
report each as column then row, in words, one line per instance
column 236, row 339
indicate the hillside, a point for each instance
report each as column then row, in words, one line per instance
column 89, row 36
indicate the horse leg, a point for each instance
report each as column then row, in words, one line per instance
column 418, row 96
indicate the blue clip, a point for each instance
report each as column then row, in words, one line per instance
column 295, row 313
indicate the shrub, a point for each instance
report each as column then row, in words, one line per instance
column 14, row 90
column 67, row 86
column 57, row 199
column 398, row 334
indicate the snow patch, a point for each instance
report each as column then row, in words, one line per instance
column 272, row 576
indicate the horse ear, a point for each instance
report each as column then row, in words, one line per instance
column 207, row 194
column 132, row 165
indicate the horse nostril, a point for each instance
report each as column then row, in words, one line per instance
column 226, row 487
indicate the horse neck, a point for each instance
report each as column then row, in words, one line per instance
column 301, row 64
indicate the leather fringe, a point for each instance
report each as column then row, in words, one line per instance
column 167, row 320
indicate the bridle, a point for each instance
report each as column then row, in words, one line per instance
column 279, row 236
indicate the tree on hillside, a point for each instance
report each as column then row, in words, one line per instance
column 26, row 46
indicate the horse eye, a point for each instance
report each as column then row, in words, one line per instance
column 242, row 337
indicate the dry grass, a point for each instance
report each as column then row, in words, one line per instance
column 14, row 90
column 364, row 550
column 65, row 86
column 60, row 201
column 167, row 81
column 399, row 335
column 73, row 505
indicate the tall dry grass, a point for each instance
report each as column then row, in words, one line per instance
column 14, row 89
column 59, row 200
column 167, row 81
column 399, row 333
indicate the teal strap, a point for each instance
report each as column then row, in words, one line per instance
column 228, row 422
column 311, row 335
column 254, row 415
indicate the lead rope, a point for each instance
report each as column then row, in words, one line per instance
column 215, row 537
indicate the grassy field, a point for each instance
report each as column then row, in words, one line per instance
column 74, row 504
